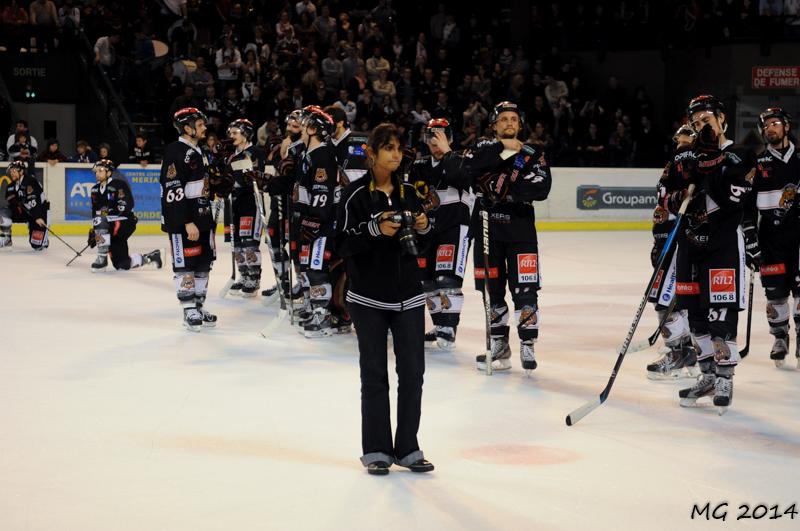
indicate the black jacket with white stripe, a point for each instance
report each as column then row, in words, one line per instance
column 381, row 275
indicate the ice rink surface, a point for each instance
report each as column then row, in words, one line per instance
column 115, row 418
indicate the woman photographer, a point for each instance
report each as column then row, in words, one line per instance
column 379, row 220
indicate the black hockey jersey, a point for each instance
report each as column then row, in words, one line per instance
column 26, row 199
column 720, row 199
column 250, row 159
column 184, row 189
column 113, row 199
column 351, row 154
column 285, row 169
column 674, row 178
column 444, row 188
column 513, row 219
column 775, row 189
column 318, row 191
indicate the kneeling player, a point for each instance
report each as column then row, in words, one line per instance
column 25, row 203
column 114, row 222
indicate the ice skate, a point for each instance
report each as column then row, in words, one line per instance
column 501, row 355
column 250, row 287
column 703, row 387
column 153, row 257
column 209, row 319
column 445, row 337
column 527, row 356
column 341, row 324
column 5, row 239
column 100, row 264
column 319, row 325
column 192, row 319
column 780, row 348
column 723, row 393
column 236, row 288
column 430, row 336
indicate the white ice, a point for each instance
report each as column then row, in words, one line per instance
column 113, row 417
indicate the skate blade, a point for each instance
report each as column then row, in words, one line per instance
column 721, row 410
column 209, row 325
column 317, row 334
column 268, row 300
column 341, row 330
column 444, row 344
column 100, row 270
column 248, row 295
column 779, row 363
column 497, row 365
column 660, row 376
column 192, row 328
column 690, row 372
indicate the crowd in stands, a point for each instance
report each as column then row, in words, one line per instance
column 380, row 61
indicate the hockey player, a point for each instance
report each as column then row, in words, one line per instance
column 773, row 243
column 710, row 257
column 318, row 191
column 284, row 159
column 186, row 216
column 245, row 161
column 349, row 147
column 443, row 187
column 679, row 353
column 509, row 176
column 25, row 203
column 113, row 222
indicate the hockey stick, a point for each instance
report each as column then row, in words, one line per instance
column 224, row 291
column 746, row 350
column 267, row 331
column 587, row 408
column 487, row 306
column 79, row 253
column 650, row 341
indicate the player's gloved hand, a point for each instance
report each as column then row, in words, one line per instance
column 751, row 248
column 675, row 199
column 220, row 184
column 309, row 229
column 92, row 239
column 655, row 253
column 707, row 152
column 493, row 186
column 257, row 177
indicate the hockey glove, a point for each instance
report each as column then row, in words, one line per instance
column 494, row 186
column 751, row 247
column 91, row 240
column 706, row 149
column 309, row 229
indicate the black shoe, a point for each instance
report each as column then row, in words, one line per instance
column 153, row 257
column 421, row 466
column 378, row 468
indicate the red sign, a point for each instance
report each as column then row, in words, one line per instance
column 773, row 269
column 723, row 285
column 527, row 267
column 444, row 257
column 776, row 77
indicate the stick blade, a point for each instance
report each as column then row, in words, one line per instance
column 224, row 291
column 644, row 344
column 268, row 330
column 574, row 417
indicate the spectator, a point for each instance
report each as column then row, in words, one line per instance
column 141, row 151
column 359, row 82
column 212, row 108
column 376, row 64
column 541, row 112
column 351, row 65
column 368, row 109
column 325, row 25
column 405, row 87
column 21, row 126
column 594, row 147
column 306, row 6
column 104, row 150
column 620, row 146
column 44, row 19
column 284, row 26
column 228, row 61
column 15, row 18
column 475, row 115
column 649, row 146
column 349, row 107
column 254, row 107
column 421, row 57
column 231, row 107
column 554, row 90
column 540, row 137
column 437, row 23
column 383, row 86
column 451, row 35
column 332, row 68
column 427, row 89
column 187, row 99
column 443, row 108
column 52, row 153
column 182, row 35
column 105, row 53
column 21, row 147
column 84, row 153
column 200, row 78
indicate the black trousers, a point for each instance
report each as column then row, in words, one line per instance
column 408, row 334
column 118, row 249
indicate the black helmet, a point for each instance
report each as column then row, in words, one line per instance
column 187, row 116
column 295, row 116
column 433, row 125
column 705, row 102
column 774, row 112
column 107, row 164
column 506, row 106
column 244, row 126
column 321, row 121
column 18, row 165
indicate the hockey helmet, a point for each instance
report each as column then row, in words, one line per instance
column 774, row 112
column 321, row 121
column 705, row 102
column 187, row 116
column 506, row 106
column 433, row 125
column 244, row 126
column 106, row 164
